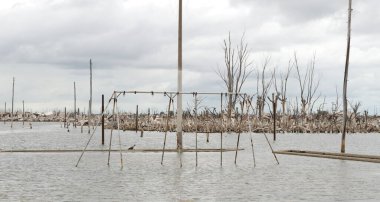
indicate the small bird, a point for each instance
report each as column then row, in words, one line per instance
column 132, row 148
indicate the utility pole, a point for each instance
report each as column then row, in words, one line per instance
column 179, row 84
column 13, row 95
column 343, row 144
column 90, row 103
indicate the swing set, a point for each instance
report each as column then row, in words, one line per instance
column 246, row 104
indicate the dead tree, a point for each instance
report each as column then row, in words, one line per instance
column 274, row 109
column 308, row 87
column 265, row 86
column 355, row 113
column 284, row 82
column 238, row 67
column 336, row 106
column 237, row 70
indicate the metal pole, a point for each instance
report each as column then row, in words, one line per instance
column 103, row 119
column 118, row 132
column 166, row 129
column 179, row 96
column 93, row 132
column 113, row 121
column 275, row 157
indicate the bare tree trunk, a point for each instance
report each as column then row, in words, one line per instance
column 343, row 144
column 238, row 68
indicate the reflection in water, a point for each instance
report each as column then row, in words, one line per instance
column 54, row 177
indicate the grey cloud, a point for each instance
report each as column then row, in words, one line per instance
column 69, row 33
column 134, row 45
column 293, row 11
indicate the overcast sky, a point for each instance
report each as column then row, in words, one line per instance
column 46, row 45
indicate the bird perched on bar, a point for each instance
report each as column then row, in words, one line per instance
column 132, row 148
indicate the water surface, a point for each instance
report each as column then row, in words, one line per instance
column 54, row 177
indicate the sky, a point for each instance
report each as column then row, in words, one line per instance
column 47, row 44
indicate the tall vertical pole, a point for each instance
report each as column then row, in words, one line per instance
column 137, row 118
column 75, row 106
column 221, row 129
column 88, row 115
column 102, row 119
column 343, row 144
column 13, row 96
column 23, row 113
column 179, row 84
column 90, row 103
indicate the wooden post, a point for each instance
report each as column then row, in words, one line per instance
column 366, row 120
column 103, row 119
column 13, row 95
column 179, row 81
column 249, row 104
column 137, row 118
column 65, row 124
column 343, row 144
column 75, row 106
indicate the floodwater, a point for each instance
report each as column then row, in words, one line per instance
column 54, row 177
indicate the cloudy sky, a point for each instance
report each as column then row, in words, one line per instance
column 47, row 44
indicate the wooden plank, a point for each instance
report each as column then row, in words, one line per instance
column 336, row 154
column 114, row 150
column 330, row 155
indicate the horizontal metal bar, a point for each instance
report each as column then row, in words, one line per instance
column 182, row 93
